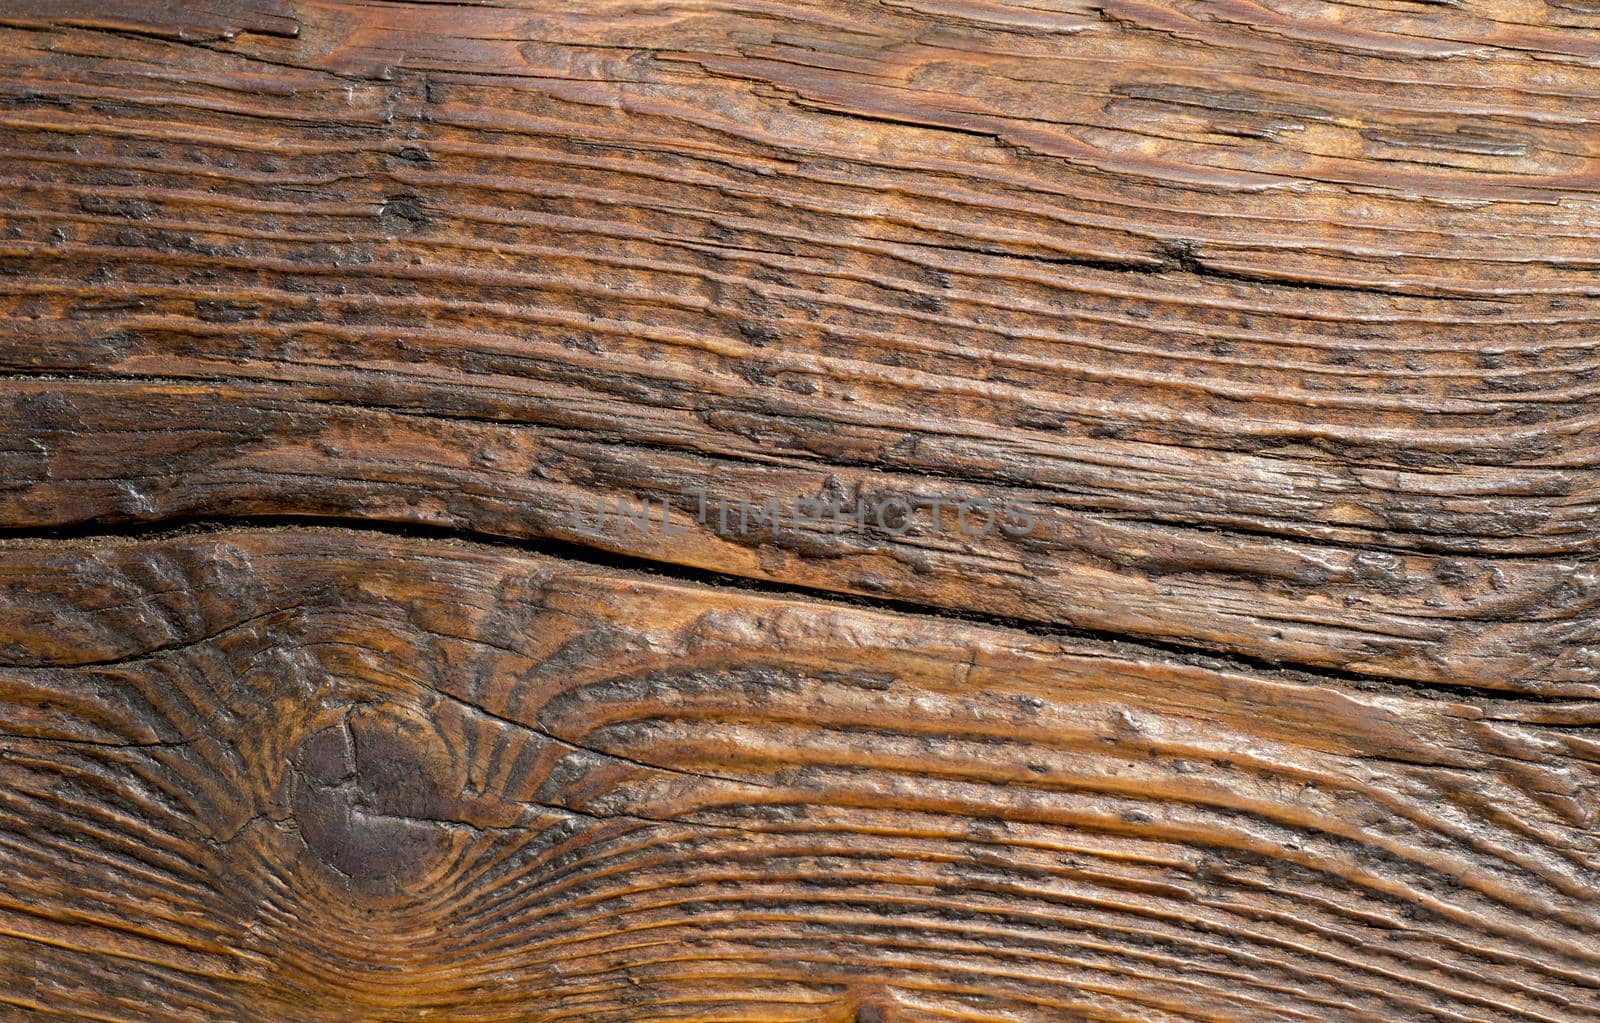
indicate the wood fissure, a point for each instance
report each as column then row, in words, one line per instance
column 1569, row 711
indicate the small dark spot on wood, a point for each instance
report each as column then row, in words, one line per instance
column 404, row 213
column 133, row 209
column 226, row 312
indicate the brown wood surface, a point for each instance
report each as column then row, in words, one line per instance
column 317, row 318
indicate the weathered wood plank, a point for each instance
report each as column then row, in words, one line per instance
column 1278, row 317
column 169, row 19
column 1292, row 332
column 300, row 774
column 1529, row 625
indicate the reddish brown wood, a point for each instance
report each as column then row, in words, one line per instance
column 1278, row 316
column 306, row 774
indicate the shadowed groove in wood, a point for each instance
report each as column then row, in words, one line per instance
column 600, row 558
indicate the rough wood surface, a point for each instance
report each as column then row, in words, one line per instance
column 1279, row 316
column 312, row 775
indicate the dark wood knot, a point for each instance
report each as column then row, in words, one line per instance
column 366, row 799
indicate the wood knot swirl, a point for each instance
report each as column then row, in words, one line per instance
column 366, row 799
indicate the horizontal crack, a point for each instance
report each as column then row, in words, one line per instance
column 1118, row 644
column 1387, row 539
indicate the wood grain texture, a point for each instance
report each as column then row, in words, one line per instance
column 320, row 775
column 1301, row 362
column 1280, row 315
